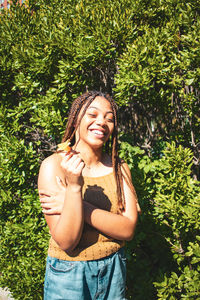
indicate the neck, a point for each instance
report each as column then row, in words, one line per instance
column 90, row 156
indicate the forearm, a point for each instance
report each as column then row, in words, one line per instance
column 116, row 226
column 68, row 229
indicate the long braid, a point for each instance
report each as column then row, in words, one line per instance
column 116, row 162
column 111, row 146
column 72, row 123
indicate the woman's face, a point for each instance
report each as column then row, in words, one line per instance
column 97, row 123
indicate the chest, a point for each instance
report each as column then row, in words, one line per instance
column 101, row 192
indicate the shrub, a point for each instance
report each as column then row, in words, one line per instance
column 146, row 54
column 165, row 253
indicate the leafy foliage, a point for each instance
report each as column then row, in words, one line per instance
column 165, row 252
column 158, row 77
column 146, row 54
column 22, row 227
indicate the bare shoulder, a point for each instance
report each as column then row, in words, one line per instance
column 128, row 184
column 49, row 169
column 125, row 169
column 50, row 164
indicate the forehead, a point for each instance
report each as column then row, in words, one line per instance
column 101, row 103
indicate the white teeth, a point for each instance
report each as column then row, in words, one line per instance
column 98, row 132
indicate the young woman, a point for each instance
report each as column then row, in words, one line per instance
column 89, row 204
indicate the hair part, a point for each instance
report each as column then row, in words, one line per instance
column 111, row 146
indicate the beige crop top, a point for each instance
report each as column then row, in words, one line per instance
column 101, row 192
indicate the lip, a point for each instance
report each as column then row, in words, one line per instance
column 98, row 132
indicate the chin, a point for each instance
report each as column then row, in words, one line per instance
column 96, row 144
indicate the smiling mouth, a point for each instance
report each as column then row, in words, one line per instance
column 98, row 133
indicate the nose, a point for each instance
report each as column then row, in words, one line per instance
column 101, row 120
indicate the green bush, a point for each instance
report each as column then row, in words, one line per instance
column 146, row 54
column 157, row 82
column 165, row 253
column 22, row 226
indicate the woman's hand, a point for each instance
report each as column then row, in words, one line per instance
column 52, row 202
column 65, row 200
column 73, row 166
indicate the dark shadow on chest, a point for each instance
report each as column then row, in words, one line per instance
column 95, row 195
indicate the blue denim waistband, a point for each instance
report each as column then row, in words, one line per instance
column 95, row 279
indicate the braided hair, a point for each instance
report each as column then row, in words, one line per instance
column 111, row 146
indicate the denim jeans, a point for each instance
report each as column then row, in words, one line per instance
column 102, row 279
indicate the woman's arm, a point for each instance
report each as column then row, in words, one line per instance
column 119, row 227
column 65, row 228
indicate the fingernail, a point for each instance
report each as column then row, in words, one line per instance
column 58, row 178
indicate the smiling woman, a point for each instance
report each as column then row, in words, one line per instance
column 89, row 204
column 96, row 125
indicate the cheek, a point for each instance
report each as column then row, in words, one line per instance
column 85, row 122
column 111, row 127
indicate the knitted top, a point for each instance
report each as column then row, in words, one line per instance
column 101, row 192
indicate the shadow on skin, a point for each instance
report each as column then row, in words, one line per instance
column 93, row 194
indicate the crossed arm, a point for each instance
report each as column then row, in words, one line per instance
column 65, row 211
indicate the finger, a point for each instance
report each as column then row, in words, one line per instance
column 74, row 151
column 67, row 160
column 48, row 211
column 47, row 205
column 80, row 167
column 76, row 163
column 45, row 193
column 67, row 156
column 51, row 211
column 45, row 199
column 64, row 153
column 72, row 163
column 60, row 182
column 74, row 158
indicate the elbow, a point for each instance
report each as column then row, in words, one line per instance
column 66, row 246
column 129, row 235
column 67, row 241
column 130, row 230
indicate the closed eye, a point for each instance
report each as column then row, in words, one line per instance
column 92, row 115
column 110, row 120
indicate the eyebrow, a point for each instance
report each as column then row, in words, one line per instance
column 109, row 111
